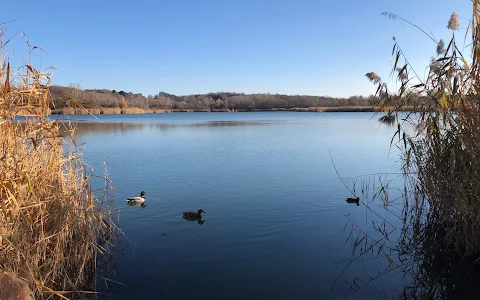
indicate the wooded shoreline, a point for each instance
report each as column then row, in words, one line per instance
column 136, row 110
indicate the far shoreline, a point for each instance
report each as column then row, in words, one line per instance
column 138, row 111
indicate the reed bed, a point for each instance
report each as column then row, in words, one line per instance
column 53, row 230
column 110, row 110
column 132, row 110
column 438, row 247
column 94, row 111
column 161, row 111
column 443, row 152
column 344, row 109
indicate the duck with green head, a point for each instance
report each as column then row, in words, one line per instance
column 137, row 199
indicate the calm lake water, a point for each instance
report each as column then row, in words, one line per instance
column 275, row 209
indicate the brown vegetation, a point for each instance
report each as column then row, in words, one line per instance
column 132, row 110
column 53, row 230
column 438, row 248
column 442, row 153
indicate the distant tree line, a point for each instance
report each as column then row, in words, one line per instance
column 65, row 96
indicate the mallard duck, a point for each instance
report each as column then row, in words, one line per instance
column 137, row 199
column 135, row 204
column 193, row 215
column 353, row 200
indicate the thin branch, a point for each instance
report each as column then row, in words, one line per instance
column 336, row 171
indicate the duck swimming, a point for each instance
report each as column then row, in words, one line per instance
column 137, row 199
column 353, row 200
column 193, row 215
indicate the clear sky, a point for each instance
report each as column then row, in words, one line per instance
column 253, row 46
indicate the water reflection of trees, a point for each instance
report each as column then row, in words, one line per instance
column 82, row 128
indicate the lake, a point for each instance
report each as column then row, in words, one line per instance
column 275, row 219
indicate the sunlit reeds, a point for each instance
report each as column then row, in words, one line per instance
column 53, row 229
column 443, row 154
column 432, row 236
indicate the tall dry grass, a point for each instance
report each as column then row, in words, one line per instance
column 110, row 110
column 132, row 110
column 53, row 230
column 443, row 150
column 434, row 239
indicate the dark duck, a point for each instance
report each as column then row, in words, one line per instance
column 193, row 215
column 353, row 200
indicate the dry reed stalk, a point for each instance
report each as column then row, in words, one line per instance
column 53, row 228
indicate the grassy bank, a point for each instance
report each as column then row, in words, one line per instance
column 53, row 230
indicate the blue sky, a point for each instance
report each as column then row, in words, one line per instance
column 184, row 46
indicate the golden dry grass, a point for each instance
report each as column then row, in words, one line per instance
column 132, row 110
column 53, row 230
column 442, row 154
column 160, row 111
column 110, row 111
